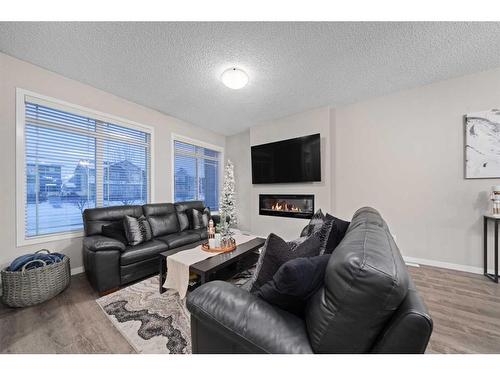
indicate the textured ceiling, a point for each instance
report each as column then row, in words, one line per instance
column 175, row 67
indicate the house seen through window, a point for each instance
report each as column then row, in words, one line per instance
column 196, row 174
column 74, row 162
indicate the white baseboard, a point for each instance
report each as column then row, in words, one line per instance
column 77, row 270
column 416, row 265
column 451, row 266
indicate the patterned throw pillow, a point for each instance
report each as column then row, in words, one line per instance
column 201, row 219
column 324, row 233
column 137, row 231
column 332, row 230
column 277, row 251
column 314, row 224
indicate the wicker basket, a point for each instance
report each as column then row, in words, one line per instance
column 29, row 287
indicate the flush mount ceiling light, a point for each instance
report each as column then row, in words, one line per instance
column 234, row 78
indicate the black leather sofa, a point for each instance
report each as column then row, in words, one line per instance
column 368, row 304
column 110, row 263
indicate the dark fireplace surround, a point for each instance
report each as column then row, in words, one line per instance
column 300, row 206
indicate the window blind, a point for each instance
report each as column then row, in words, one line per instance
column 74, row 162
column 196, row 174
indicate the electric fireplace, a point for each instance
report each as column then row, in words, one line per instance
column 300, row 206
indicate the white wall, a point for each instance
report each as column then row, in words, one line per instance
column 238, row 151
column 306, row 123
column 16, row 73
column 404, row 155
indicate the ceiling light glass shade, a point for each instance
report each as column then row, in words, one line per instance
column 234, row 78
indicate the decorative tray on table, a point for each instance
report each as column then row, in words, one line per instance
column 209, row 249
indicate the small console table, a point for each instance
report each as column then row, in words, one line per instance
column 495, row 219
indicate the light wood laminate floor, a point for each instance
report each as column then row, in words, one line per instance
column 465, row 309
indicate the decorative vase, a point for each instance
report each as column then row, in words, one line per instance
column 211, row 229
column 495, row 198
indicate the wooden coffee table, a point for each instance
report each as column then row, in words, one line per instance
column 207, row 267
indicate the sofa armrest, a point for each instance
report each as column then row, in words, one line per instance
column 410, row 328
column 241, row 320
column 102, row 243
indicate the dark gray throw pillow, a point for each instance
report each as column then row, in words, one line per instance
column 277, row 251
column 137, row 231
column 294, row 283
column 200, row 219
column 337, row 233
column 183, row 220
column 115, row 230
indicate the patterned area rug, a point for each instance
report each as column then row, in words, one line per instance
column 151, row 322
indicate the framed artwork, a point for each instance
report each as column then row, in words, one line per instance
column 482, row 144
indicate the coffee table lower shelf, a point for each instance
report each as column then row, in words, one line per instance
column 206, row 268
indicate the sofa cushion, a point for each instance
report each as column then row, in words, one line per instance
column 181, row 238
column 162, row 217
column 365, row 282
column 137, row 230
column 203, row 233
column 162, row 225
column 143, row 251
column 158, row 209
column 294, row 283
column 95, row 218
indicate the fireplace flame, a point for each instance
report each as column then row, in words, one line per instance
column 283, row 206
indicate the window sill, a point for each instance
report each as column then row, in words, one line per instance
column 48, row 238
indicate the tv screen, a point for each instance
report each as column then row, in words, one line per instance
column 292, row 160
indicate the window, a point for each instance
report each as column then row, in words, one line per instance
column 196, row 173
column 72, row 160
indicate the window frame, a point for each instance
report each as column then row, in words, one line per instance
column 20, row 180
column 195, row 142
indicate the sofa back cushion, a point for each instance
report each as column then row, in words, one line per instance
column 185, row 213
column 162, row 217
column 116, row 230
column 365, row 282
column 95, row 218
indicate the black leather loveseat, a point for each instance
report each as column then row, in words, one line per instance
column 368, row 304
column 109, row 263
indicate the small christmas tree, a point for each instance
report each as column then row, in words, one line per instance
column 227, row 204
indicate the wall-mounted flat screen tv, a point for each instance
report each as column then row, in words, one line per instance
column 291, row 160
